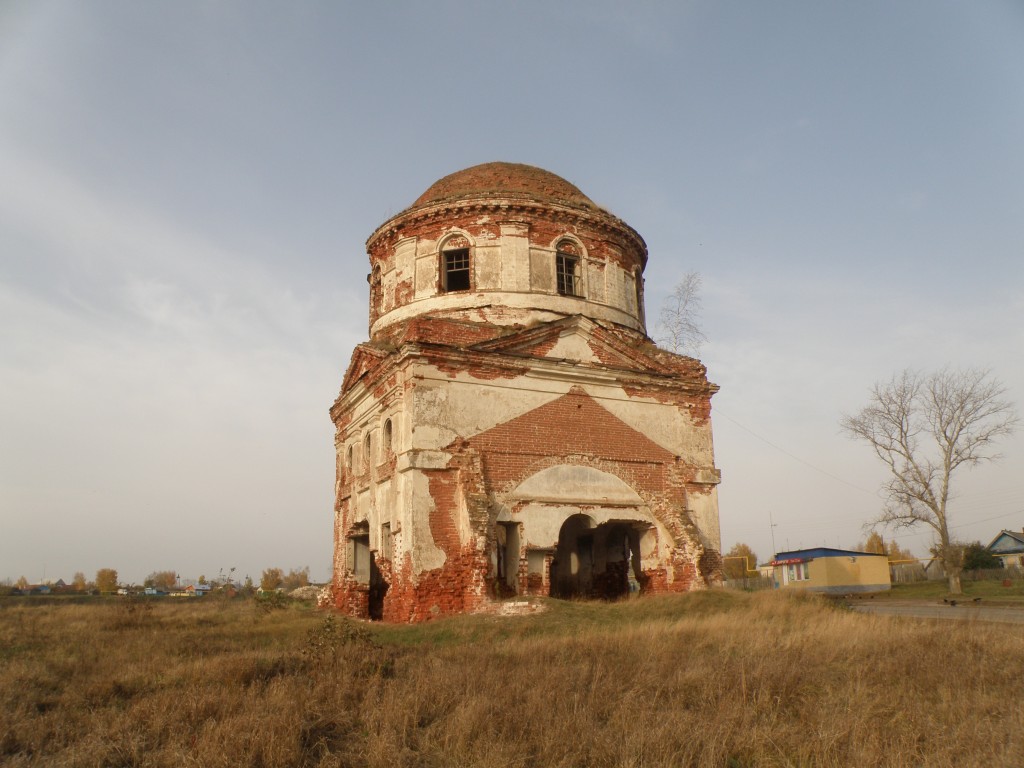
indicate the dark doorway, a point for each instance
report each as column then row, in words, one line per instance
column 506, row 558
column 378, row 589
column 596, row 561
column 572, row 569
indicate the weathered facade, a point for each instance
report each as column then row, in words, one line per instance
column 510, row 428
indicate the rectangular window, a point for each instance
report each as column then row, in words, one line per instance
column 385, row 541
column 359, row 551
column 456, row 269
column 798, row 572
column 567, row 274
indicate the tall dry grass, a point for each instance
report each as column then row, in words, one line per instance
column 709, row 679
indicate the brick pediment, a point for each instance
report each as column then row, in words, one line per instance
column 580, row 340
column 365, row 359
column 574, row 424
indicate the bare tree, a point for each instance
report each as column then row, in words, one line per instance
column 924, row 427
column 679, row 322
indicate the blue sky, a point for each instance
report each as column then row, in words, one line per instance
column 186, row 189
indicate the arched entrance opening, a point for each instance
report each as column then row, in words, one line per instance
column 593, row 560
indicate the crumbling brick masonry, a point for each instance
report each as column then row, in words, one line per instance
column 510, row 429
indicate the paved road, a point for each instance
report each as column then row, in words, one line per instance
column 924, row 610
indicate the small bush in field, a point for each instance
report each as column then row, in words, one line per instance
column 271, row 601
column 342, row 640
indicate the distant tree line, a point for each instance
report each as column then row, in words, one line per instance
column 106, row 582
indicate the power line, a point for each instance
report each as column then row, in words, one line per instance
column 718, row 411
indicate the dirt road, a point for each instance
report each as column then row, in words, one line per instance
column 968, row 611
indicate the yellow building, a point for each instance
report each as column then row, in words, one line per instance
column 833, row 571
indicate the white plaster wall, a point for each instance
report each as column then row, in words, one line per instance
column 487, row 268
column 569, row 483
column 704, row 512
column 542, row 270
column 596, row 288
column 667, row 425
column 404, row 269
column 445, row 408
column 507, row 272
column 426, row 286
column 384, row 502
column 425, row 554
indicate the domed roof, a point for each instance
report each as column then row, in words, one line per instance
column 505, row 180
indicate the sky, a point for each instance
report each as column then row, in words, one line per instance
column 186, row 189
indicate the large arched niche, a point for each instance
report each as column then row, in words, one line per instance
column 576, row 484
column 586, row 531
column 546, row 499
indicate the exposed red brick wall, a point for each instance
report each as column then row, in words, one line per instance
column 570, row 425
column 427, row 329
column 572, row 429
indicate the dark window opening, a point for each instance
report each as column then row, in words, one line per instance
column 385, row 541
column 567, row 274
column 507, row 557
column 359, row 558
column 456, row 269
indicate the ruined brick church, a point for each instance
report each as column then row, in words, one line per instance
column 509, row 428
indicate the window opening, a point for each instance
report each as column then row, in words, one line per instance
column 387, row 436
column 367, row 450
column 385, row 541
column 507, row 546
column 567, row 273
column 456, row 269
column 798, row 572
column 360, row 560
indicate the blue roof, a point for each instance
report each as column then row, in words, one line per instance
column 807, row 554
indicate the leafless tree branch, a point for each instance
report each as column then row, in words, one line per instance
column 924, row 427
column 679, row 321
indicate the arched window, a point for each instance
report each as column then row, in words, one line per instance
column 375, row 285
column 455, row 272
column 348, row 459
column 567, row 269
column 387, row 437
column 638, row 277
column 367, row 451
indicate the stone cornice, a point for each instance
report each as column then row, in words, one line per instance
column 445, row 212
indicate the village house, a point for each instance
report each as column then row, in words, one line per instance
column 832, row 571
column 509, row 428
column 1008, row 546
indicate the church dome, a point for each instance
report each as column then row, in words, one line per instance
column 506, row 181
column 505, row 244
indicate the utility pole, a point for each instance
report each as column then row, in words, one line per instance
column 772, row 529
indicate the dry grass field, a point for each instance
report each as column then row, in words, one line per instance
column 708, row 679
